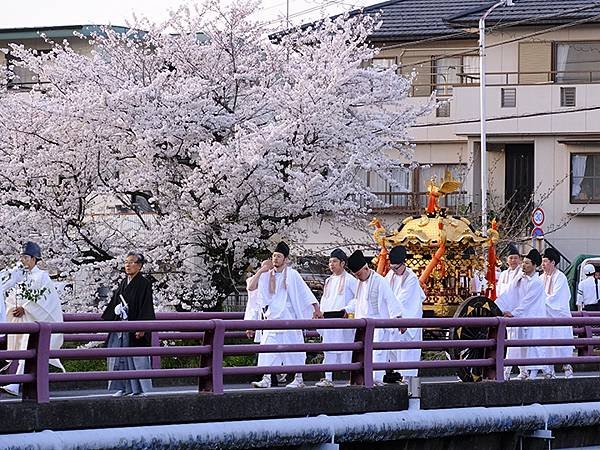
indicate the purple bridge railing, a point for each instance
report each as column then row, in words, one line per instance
column 210, row 371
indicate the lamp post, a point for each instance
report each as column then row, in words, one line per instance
column 482, row 112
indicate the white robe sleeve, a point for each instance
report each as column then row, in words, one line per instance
column 579, row 299
column 302, row 297
column 388, row 300
column 252, row 306
column 47, row 308
column 351, row 289
column 557, row 302
column 263, row 297
column 527, row 302
column 412, row 304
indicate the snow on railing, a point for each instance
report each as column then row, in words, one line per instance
column 211, row 352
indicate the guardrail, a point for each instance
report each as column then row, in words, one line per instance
column 210, row 371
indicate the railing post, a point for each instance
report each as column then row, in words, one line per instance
column 588, row 333
column 364, row 377
column 498, row 351
column 155, row 342
column 39, row 389
column 215, row 337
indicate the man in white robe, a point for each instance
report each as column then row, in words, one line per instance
column 525, row 297
column 36, row 300
column 513, row 261
column 254, row 311
column 410, row 295
column 374, row 299
column 339, row 290
column 588, row 290
column 558, row 304
column 283, row 295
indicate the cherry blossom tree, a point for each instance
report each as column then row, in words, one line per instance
column 230, row 140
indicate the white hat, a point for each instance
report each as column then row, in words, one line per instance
column 589, row 269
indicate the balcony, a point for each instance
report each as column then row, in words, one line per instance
column 414, row 203
column 515, row 78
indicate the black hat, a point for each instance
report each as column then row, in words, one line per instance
column 339, row 254
column 398, row 255
column 32, row 249
column 511, row 249
column 282, row 248
column 552, row 255
column 534, row 256
column 356, row 261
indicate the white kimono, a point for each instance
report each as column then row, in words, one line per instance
column 253, row 309
column 375, row 299
column 408, row 292
column 291, row 300
column 46, row 309
column 558, row 297
column 588, row 291
column 506, row 277
column 339, row 290
column 526, row 298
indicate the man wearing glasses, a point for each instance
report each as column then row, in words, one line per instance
column 374, row 299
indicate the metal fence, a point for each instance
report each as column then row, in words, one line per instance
column 214, row 348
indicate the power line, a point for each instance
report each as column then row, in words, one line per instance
column 301, row 13
column 516, row 116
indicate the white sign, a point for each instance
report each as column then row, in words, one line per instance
column 538, row 217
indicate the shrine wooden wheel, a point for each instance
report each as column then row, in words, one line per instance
column 477, row 306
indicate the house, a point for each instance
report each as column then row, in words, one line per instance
column 543, row 110
column 543, row 101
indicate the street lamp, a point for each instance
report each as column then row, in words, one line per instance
column 482, row 112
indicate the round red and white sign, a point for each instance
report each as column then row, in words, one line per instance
column 538, row 217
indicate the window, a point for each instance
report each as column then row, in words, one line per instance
column 383, row 63
column 470, row 69
column 443, row 109
column 585, row 178
column 509, row 98
column 395, row 193
column 23, row 77
column 437, row 172
column 446, row 74
column 568, row 96
column 577, row 62
column 408, row 192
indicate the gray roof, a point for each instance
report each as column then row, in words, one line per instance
column 416, row 19
column 543, row 11
column 64, row 31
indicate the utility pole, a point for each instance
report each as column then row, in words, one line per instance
column 482, row 113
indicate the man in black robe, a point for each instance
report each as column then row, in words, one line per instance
column 131, row 301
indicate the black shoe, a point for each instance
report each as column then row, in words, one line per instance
column 392, row 377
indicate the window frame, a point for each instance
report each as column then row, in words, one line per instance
column 9, row 59
column 554, row 61
column 594, row 177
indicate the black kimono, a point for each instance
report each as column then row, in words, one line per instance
column 138, row 296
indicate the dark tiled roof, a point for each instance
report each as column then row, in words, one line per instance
column 416, row 19
column 543, row 11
